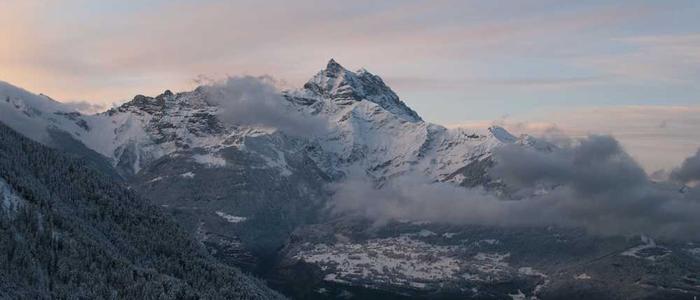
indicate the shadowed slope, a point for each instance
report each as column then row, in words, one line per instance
column 67, row 231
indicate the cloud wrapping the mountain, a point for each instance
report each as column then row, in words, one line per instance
column 592, row 184
column 255, row 101
column 85, row 106
column 416, row 198
column 598, row 186
column 689, row 171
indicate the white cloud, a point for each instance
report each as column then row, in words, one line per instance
column 256, row 101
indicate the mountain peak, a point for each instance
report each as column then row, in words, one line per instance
column 345, row 87
column 334, row 67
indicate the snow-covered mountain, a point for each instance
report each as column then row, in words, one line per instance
column 371, row 129
column 177, row 150
column 376, row 132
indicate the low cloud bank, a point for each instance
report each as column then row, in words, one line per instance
column 591, row 183
column 595, row 184
column 255, row 101
column 413, row 197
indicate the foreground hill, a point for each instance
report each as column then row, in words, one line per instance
column 67, row 231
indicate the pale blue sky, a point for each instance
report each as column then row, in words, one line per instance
column 452, row 61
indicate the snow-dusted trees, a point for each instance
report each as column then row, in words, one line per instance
column 75, row 233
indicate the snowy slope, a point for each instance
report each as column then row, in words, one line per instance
column 377, row 133
column 33, row 115
column 372, row 130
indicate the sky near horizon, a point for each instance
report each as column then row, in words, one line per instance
column 523, row 63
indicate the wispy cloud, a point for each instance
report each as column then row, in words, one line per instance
column 85, row 106
column 418, row 83
column 671, row 57
column 257, row 101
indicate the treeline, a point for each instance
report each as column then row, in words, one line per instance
column 76, row 234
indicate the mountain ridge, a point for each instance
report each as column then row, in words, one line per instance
column 367, row 120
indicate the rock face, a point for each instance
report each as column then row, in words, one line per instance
column 344, row 87
column 257, row 197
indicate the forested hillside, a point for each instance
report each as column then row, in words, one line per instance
column 69, row 232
